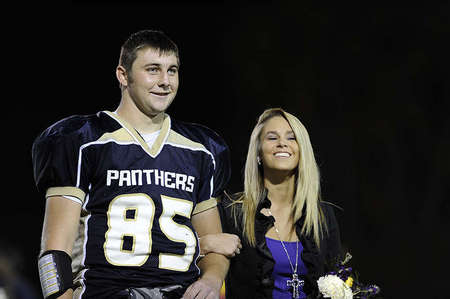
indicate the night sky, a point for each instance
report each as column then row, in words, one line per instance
column 370, row 81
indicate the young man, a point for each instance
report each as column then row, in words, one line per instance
column 129, row 192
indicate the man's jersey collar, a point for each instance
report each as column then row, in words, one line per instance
column 159, row 142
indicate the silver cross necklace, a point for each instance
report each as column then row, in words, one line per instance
column 295, row 283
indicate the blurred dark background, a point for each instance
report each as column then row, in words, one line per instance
column 370, row 81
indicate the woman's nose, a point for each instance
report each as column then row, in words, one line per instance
column 281, row 143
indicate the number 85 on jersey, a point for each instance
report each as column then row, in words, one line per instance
column 129, row 235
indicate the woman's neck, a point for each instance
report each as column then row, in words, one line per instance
column 280, row 192
column 281, row 196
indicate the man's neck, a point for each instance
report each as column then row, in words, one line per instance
column 142, row 122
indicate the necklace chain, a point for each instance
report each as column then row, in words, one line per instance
column 294, row 270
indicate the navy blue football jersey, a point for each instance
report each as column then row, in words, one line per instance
column 137, row 202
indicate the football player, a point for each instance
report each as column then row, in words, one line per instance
column 129, row 192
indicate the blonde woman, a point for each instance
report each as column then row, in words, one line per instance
column 288, row 234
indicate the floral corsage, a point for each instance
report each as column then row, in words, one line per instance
column 343, row 284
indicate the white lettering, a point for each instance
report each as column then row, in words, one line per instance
column 190, row 186
column 111, row 175
column 147, row 175
column 125, row 177
column 168, row 181
column 159, row 177
column 137, row 172
column 140, row 177
column 180, row 181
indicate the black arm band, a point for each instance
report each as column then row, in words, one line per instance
column 55, row 273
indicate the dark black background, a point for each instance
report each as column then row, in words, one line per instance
column 370, row 81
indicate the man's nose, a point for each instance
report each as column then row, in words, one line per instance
column 163, row 79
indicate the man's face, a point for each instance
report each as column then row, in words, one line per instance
column 153, row 80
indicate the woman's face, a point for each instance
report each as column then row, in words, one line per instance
column 279, row 148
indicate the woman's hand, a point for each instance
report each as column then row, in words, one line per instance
column 226, row 244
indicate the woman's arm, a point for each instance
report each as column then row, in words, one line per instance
column 334, row 246
column 226, row 244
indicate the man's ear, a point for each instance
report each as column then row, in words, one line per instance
column 121, row 75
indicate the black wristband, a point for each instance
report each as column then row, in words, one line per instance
column 55, row 273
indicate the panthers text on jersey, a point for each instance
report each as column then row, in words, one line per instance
column 135, row 228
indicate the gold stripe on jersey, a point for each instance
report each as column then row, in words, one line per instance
column 130, row 130
column 120, row 135
column 205, row 205
column 178, row 139
column 66, row 191
column 161, row 139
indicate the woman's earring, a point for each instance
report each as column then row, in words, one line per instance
column 258, row 159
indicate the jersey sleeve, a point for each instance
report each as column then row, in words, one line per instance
column 57, row 164
column 218, row 175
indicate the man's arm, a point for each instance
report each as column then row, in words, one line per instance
column 213, row 266
column 60, row 227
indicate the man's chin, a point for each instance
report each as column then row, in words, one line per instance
column 158, row 109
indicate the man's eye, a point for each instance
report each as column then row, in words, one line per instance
column 152, row 69
column 172, row 71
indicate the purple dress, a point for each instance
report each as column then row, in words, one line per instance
column 282, row 271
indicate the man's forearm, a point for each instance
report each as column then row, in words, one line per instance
column 214, row 268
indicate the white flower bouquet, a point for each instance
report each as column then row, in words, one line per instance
column 331, row 286
column 342, row 284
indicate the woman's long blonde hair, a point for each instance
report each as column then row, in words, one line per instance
column 307, row 193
